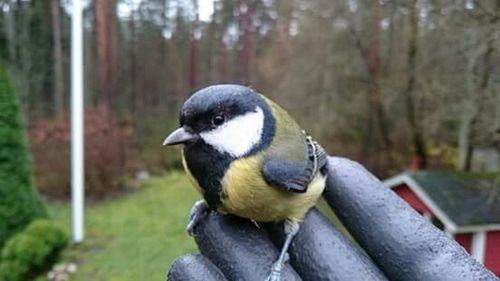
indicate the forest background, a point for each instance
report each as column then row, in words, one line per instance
column 391, row 84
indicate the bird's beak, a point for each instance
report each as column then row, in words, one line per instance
column 180, row 135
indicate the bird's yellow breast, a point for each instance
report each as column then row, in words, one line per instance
column 246, row 194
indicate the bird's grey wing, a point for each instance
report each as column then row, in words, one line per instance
column 295, row 176
column 284, row 174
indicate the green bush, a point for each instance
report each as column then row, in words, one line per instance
column 31, row 251
column 19, row 203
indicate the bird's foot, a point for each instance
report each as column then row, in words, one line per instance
column 291, row 228
column 198, row 211
column 276, row 270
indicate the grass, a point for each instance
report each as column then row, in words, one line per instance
column 134, row 237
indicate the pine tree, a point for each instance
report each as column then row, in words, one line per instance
column 19, row 202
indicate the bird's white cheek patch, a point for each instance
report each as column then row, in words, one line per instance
column 238, row 135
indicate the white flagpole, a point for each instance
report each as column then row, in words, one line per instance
column 77, row 103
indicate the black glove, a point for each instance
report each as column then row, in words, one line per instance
column 400, row 244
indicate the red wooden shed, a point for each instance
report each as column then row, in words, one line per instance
column 465, row 206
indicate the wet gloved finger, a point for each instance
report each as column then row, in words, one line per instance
column 320, row 252
column 403, row 243
column 193, row 267
column 240, row 249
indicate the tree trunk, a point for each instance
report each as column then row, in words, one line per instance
column 470, row 122
column 222, row 60
column 246, row 32
column 58, row 59
column 133, row 65
column 114, row 37
column 411, row 114
column 106, row 27
column 10, row 30
column 477, row 96
column 193, row 51
column 376, row 114
column 212, row 43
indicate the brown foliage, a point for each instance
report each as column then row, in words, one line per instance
column 108, row 152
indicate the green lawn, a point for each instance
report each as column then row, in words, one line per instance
column 136, row 236
column 133, row 237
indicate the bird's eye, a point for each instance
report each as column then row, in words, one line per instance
column 218, row 119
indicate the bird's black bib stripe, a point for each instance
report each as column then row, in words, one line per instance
column 208, row 166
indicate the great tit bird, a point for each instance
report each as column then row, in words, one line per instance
column 248, row 157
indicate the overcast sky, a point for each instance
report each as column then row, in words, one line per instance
column 206, row 7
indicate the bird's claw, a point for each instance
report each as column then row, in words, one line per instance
column 197, row 212
column 276, row 270
column 274, row 276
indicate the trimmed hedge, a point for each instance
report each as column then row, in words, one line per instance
column 31, row 251
column 19, row 203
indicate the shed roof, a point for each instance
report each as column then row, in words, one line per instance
column 466, row 199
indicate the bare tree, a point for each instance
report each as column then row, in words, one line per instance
column 193, row 51
column 480, row 65
column 58, row 58
column 106, row 24
column 376, row 121
column 416, row 130
column 246, row 34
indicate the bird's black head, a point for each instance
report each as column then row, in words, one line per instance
column 232, row 119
